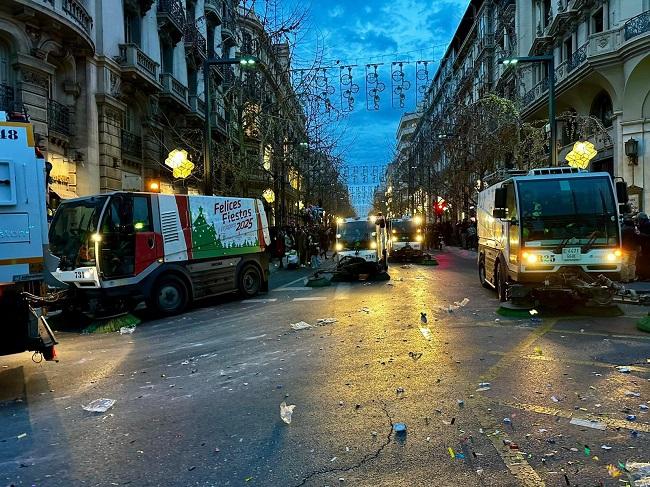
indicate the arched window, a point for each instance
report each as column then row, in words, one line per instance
column 602, row 109
column 6, row 79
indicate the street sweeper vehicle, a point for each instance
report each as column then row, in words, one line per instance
column 23, row 241
column 551, row 235
column 362, row 247
column 119, row 249
column 407, row 239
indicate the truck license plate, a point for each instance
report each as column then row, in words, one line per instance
column 571, row 253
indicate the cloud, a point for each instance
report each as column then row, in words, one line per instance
column 337, row 11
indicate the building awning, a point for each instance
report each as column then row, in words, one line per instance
column 63, row 193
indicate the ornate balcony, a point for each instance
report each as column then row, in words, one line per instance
column 6, row 98
column 214, row 10
column 196, row 47
column 197, row 108
column 131, row 144
column 637, row 26
column 171, row 19
column 228, row 30
column 139, row 67
column 173, row 90
column 58, row 118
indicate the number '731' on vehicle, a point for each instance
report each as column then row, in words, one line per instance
column 118, row 249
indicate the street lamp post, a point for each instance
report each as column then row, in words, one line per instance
column 245, row 62
column 549, row 60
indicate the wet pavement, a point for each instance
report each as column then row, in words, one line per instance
column 198, row 396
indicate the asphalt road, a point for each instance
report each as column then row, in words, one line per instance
column 198, row 396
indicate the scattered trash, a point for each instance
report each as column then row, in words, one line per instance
column 538, row 351
column 127, row 330
column 463, row 302
column 399, row 390
column 483, row 386
column 99, row 405
column 426, row 333
column 632, row 394
column 301, row 325
column 374, row 433
column 407, row 266
column 364, row 310
column 479, row 471
column 399, row 428
column 415, row 355
column 631, row 417
column 461, row 403
column 423, row 317
column 497, row 320
column 638, row 473
column 613, row 471
column 555, row 399
column 185, row 362
column 606, row 447
column 643, row 407
column 623, row 369
column 588, row 423
column 533, row 312
column 452, row 454
column 326, row 321
column 21, row 436
column 587, row 451
column 248, row 479
column 286, row 412
column 507, row 421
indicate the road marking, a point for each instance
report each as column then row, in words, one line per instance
column 342, row 291
column 303, row 279
column 590, row 363
column 426, row 333
column 602, row 334
column 311, row 298
column 302, row 288
column 266, row 300
column 611, row 422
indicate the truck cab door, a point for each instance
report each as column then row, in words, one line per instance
column 128, row 243
column 513, row 225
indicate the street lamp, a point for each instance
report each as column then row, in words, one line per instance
column 549, row 60
column 246, row 62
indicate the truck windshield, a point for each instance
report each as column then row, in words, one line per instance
column 70, row 233
column 356, row 235
column 572, row 210
column 403, row 230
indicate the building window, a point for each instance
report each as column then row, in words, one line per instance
column 568, row 48
column 602, row 108
column 167, row 57
column 597, row 21
column 132, row 28
column 547, row 13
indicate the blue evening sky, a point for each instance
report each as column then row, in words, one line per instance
column 363, row 31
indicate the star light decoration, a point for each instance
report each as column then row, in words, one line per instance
column 269, row 195
column 181, row 166
column 582, row 153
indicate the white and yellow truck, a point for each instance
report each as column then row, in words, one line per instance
column 551, row 234
column 23, row 240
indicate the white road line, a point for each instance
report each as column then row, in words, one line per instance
column 426, row 333
column 303, row 279
column 311, row 298
column 304, row 288
column 268, row 300
column 342, row 291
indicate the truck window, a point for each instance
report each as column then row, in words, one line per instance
column 118, row 234
column 511, row 206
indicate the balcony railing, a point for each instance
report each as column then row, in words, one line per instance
column 173, row 87
column 131, row 56
column 195, row 43
column 131, row 144
column 172, row 14
column 578, row 57
column 75, row 10
column 535, row 92
column 215, row 7
column 637, row 25
column 58, row 117
column 197, row 106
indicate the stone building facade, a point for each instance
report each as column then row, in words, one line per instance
column 113, row 85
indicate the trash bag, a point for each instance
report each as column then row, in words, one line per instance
column 286, row 412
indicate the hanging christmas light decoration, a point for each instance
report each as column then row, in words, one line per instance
column 268, row 195
column 399, row 84
column 421, row 83
column 347, row 88
column 373, row 86
column 181, row 166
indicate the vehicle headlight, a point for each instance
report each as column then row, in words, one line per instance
column 339, row 247
column 394, row 239
column 611, row 256
column 418, row 238
column 529, row 258
column 618, row 253
column 373, row 245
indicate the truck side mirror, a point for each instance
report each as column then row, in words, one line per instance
column 621, row 192
column 500, row 197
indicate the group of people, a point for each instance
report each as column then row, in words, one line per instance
column 462, row 233
column 307, row 243
column 636, row 244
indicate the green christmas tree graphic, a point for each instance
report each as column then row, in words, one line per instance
column 204, row 238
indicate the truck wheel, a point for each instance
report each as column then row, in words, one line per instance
column 250, row 281
column 169, row 296
column 482, row 275
column 501, row 284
